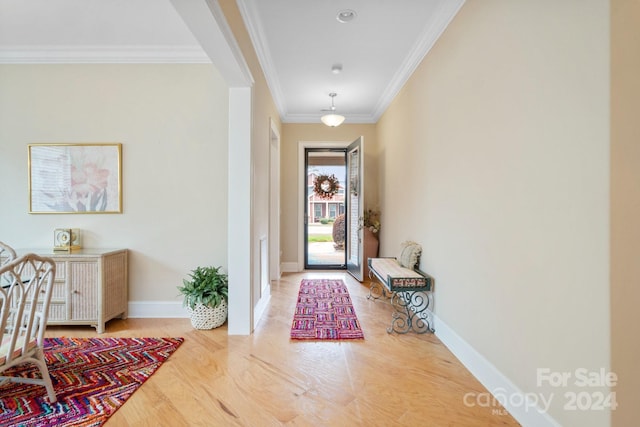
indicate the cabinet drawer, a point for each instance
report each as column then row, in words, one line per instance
column 57, row 311
column 61, row 272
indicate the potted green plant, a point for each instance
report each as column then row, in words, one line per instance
column 205, row 297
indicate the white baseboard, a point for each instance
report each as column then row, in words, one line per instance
column 259, row 309
column 490, row 377
column 289, row 267
column 156, row 309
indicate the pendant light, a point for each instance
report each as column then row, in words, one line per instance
column 332, row 119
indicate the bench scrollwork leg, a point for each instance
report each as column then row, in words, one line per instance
column 410, row 312
column 376, row 290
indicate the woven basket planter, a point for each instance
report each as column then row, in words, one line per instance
column 203, row 317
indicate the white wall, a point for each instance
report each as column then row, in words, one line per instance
column 173, row 123
column 495, row 157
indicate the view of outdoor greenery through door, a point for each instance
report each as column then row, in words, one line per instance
column 325, row 208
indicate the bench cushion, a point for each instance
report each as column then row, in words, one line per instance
column 396, row 276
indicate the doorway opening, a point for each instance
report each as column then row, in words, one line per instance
column 324, row 225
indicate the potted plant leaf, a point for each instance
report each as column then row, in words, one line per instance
column 205, row 297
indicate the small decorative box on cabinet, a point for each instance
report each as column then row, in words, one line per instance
column 91, row 286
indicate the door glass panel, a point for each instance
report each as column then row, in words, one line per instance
column 354, row 223
column 324, row 229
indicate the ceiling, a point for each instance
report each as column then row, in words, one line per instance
column 297, row 42
column 300, row 40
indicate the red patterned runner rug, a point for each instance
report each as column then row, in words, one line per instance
column 324, row 312
column 92, row 378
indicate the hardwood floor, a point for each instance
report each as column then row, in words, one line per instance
column 266, row 379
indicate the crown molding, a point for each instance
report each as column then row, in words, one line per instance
column 421, row 48
column 103, row 55
column 258, row 39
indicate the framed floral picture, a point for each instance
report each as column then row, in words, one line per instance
column 75, row 178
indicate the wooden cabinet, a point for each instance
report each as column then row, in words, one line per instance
column 91, row 286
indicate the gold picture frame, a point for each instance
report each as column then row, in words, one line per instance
column 75, row 178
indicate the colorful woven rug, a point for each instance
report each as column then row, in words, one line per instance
column 92, row 378
column 324, row 312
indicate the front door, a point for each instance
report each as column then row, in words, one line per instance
column 324, row 209
column 355, row 209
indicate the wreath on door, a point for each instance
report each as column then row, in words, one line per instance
column 326, row 186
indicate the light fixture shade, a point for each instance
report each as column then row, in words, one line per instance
column 332, row 120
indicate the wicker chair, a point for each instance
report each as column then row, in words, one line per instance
column 7, row 254
column 24, row 306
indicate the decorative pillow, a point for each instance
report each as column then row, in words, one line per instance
column 409, row 254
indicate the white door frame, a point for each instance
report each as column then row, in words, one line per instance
column 274, row 202
column 302, row 146
column 269, row 257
